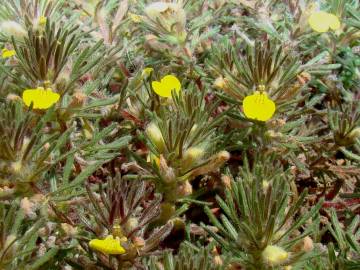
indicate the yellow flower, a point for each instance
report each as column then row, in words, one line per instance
column 134, row 17
column 258, row 106
column 321, row 21
column 109, row 245
column 166, row 85
column 7, row 53
column 42, row 20
column 40, row 97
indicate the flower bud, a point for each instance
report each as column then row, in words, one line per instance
column 226, row 181
column 155, row 135
column 184, row 189
column 193, row 129
column 135, row 18
column 354, row 134
column 47, row 229
column 78, row 99
column 139, row 242
column 274, row 255
column 271, row 134
column 167, row 211
column 192, row 156
column 178, row 224
column 69, row 230
column 348, row 139
column 215, row 162
column 39, row 23
column 223, row 156
column 13, row 97
column 29, row 208
column 12, row 28
column 304, row 77
column 218, row 261
column 131, row 224
column 166, row 172
column 46, row 146
column 220, row 83
column 265, row 185
column 308, row 244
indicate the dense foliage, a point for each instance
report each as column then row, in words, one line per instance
column 184, row 135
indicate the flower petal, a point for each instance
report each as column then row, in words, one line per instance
column 319, row 21
column 258, row 107
column 249, row 106
column 334, row 22
column 166, row 85
column 109, row 245
column 41, row 99
column 170, row 82
column 42, row 20
column 7, row 53
column 160, row 89
column 28, row 96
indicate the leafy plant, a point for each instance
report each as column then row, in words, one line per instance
column 257, row 225
column 124, row 209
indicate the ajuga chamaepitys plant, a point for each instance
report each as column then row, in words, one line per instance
column 179, row 135
column 258, row 224
column 121, row 215
column 181, row 141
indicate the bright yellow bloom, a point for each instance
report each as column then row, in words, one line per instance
column 42, row 20
column 322, row 21
column 258, row 106
column 7, row 53
column 40, row 97
column 166, row 85
column 109, row 245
